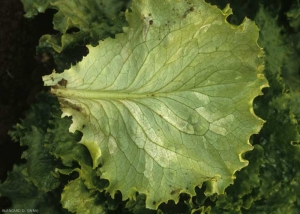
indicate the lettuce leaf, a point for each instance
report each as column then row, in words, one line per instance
column 93, row 20
column 167, row 105
column 77, row 23
column 53, row 158
column 25, row 195
column 83, row 200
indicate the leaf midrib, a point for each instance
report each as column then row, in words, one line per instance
column 95, row 94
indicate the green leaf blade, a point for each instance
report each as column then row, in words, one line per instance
column 167, row 105
column 79, row 199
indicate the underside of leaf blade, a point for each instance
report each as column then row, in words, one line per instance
column 167, row 105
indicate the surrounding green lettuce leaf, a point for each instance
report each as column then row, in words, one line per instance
column 60, row 143
column 294, row 103
column 40, row 164
column 28, row 183
column 25, row 195
column 138, row 205
column 18, row 188
column 167, row 105
column 78, row 22
column 294, row 16
column 272, row 41
column 31, row 133
column 33, row 7
column 83, row 200
column 292, row 74
column 279, row 187
column 94, row 20
column 35, row 184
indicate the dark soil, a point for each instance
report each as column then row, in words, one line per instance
column 20, row 75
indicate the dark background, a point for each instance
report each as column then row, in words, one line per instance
column 20, row 74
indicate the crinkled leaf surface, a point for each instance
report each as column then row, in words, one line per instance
column 167, row 105
column 92, row 20
column 33, row 7
column 24, row 194
column 40, row 164
column 82, row 199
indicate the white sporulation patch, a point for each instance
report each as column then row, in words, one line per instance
column 202, row 97
column 112, row 145
column 205, row 113
column 176, row 121
column 143, row 122
column 218, row 125
column 218, row 129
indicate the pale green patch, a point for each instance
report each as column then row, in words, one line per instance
column 167, row 105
